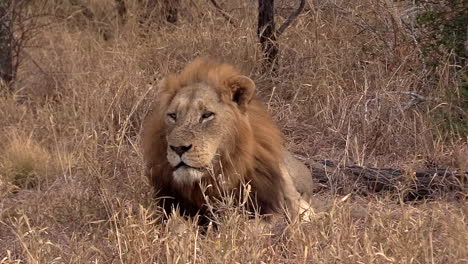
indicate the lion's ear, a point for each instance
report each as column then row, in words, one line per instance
column 242, row 89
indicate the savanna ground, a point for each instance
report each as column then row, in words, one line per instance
column 71, row 183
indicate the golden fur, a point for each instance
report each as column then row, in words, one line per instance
column 250, row 150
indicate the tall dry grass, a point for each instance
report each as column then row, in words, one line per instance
column 71, row 182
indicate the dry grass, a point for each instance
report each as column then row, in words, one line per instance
column 71, row 183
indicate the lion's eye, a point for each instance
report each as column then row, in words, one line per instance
column 207, row 115
column 172, row 116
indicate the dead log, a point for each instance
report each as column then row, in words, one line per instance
column 413, row 185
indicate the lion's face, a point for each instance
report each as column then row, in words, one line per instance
column 206, row 121
column 198, row 122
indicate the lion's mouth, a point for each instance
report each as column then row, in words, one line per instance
column 183, row 165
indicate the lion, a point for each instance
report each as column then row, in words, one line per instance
column 209, row 135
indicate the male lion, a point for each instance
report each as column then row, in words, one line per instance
column 208, row 135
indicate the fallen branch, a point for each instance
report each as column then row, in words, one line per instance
column 417, row 184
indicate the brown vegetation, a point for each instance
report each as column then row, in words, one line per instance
column 72, row 188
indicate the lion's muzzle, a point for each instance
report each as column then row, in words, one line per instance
column 180, row 150
column 189, row 162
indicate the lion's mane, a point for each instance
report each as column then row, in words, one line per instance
column 254, row 158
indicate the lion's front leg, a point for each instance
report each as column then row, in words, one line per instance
column 296, row 206
column 306, row 212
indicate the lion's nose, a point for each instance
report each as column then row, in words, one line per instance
column 181, row 149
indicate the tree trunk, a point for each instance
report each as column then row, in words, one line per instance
column 172, row 10
column 121, row 10
column 6, row 38
column 266, row 31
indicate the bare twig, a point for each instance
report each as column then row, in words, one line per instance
column 227, row 16
column 412, row 94
column 415, row 98
column 290, row 19
column 22, row 30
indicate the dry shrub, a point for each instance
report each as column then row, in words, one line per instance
column 26, row 164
